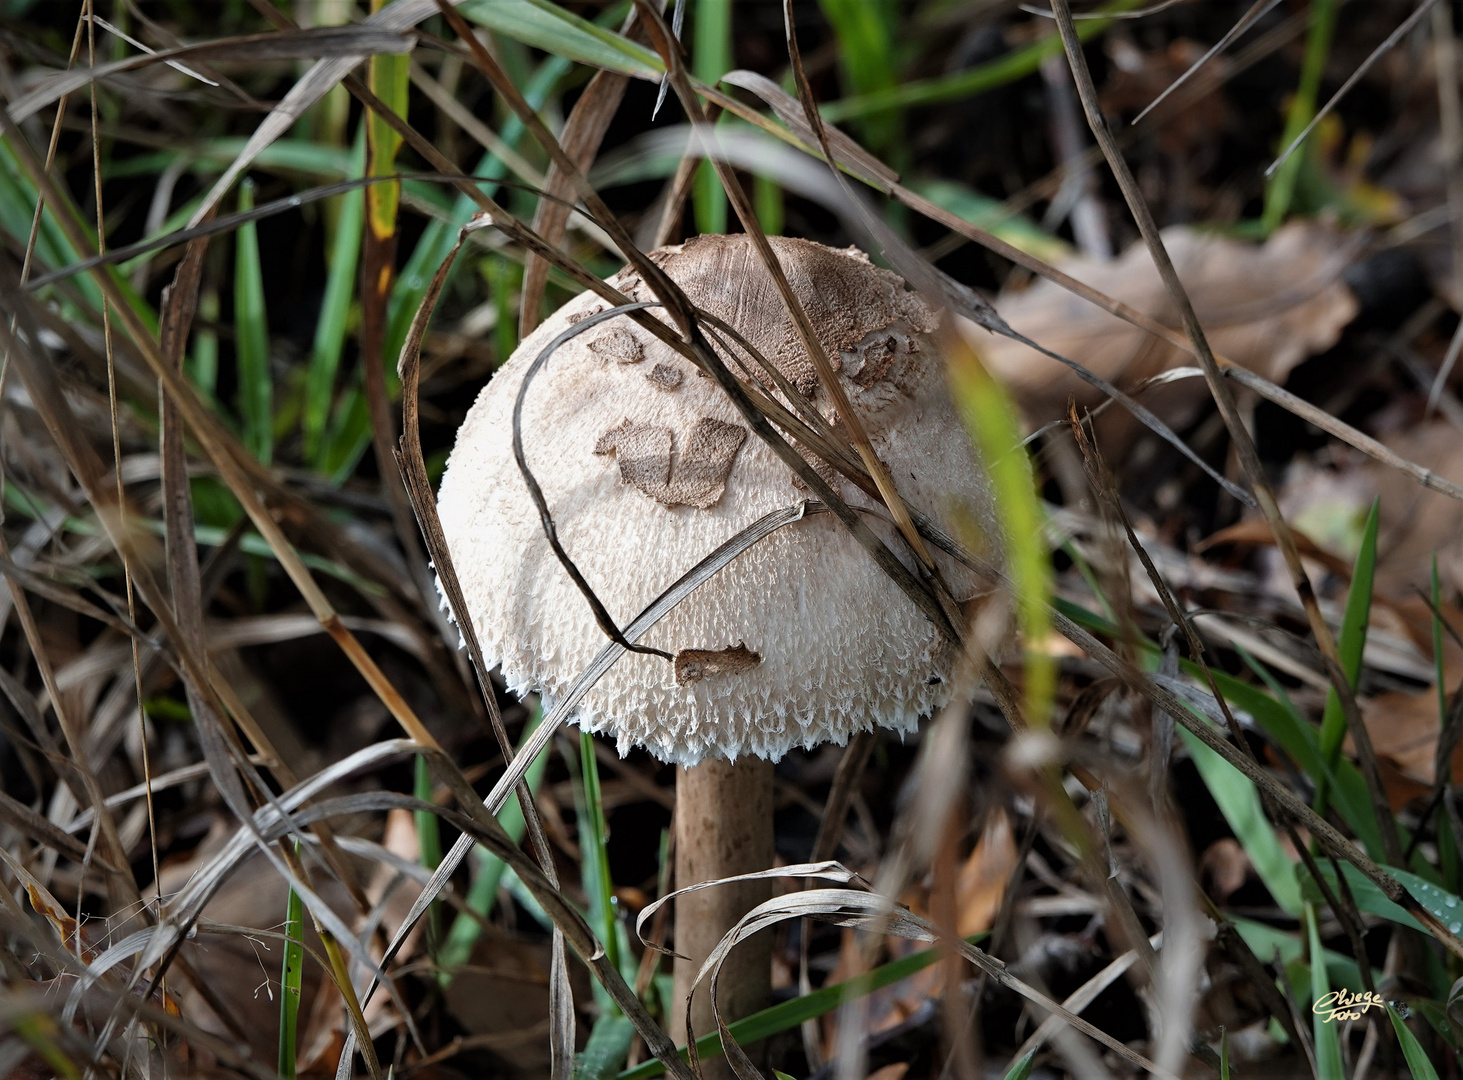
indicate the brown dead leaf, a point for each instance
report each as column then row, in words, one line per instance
column 1256, row 532
column 983, row 878
column 1404, row 727
column 890, row 1072
column 1224, row 867
column 502, row 997
column 1330, row 505
column 979, row 888
column 1136, row 78
column 1415, row 521
column 1266, row 307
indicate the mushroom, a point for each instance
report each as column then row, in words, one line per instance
column 647, row 466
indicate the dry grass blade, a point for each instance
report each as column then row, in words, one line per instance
column 419, row 491
column 550, row 725
column 851, row 765
column 818, row 869
column 1183, row 710
column 1356, row 76
column 1258, row 10
column 312, row 86
column 222, row 450
column 211, row 225
column 693, row 346
column 1082, row 997
column 847, row 153
column 351, row 43
column 826, row 376
column 848, row 907
column 745, row 149
column 1240, row 437
column 583, row 132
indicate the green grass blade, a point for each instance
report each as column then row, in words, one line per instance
column 1015, row 65
column 1239, row 802
column 505, row 280
column 1022, row 1069
column 711, row 58
column 1365, row 893
column 1417, row 1062
column 387, row 75
column 429, row 847
column 789, row 1014
column 1223, row 1054
column 768, row 202
column 206, row 157
column 465, row 930
column 1351, row 646
column 609, row 1044
column 981, row 210
column 335, row 310
column 1281, row 187
column 41, row 1033
column 990, row 421
column 251, row 337
column 547, row 26
column 350, row 433
column 1328, row 1039
column 594, row 855
column 866, row 34
column 202, row 364
column 290, row 979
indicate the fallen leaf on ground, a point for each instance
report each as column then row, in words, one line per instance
column 1225, row 866
column 1265, row 306
column 983, row 878
column 979, row 888
column 1330, row 504
column 891, row 1072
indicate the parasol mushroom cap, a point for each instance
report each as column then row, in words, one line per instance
column 647, row 467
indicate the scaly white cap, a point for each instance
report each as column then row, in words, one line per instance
column 647, row 467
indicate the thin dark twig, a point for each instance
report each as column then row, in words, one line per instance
column 419, row 491
column 1141, row 13
column 1258, row 10
column 601, row 613
column 812, row 344
column 229, row 222
column 936, row 284
column 1356, row 76
column 1240, row 437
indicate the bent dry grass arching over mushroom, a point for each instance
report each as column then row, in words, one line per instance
column 646, row 465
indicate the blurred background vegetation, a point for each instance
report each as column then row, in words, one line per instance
column 1334, row 276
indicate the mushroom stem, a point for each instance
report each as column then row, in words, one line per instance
column 723, row 828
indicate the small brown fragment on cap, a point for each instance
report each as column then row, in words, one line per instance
column 665, row 376
column 878, row 357
column 618, row 344
column 700, row 470
column 643, row 452
column 693, row 665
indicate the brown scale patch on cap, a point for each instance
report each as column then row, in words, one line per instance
column 878, row 355
column 618, row 344
column 693, row 665
column 694, row 477
column 845, row 296
column 580, row 316
column 665, row 376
